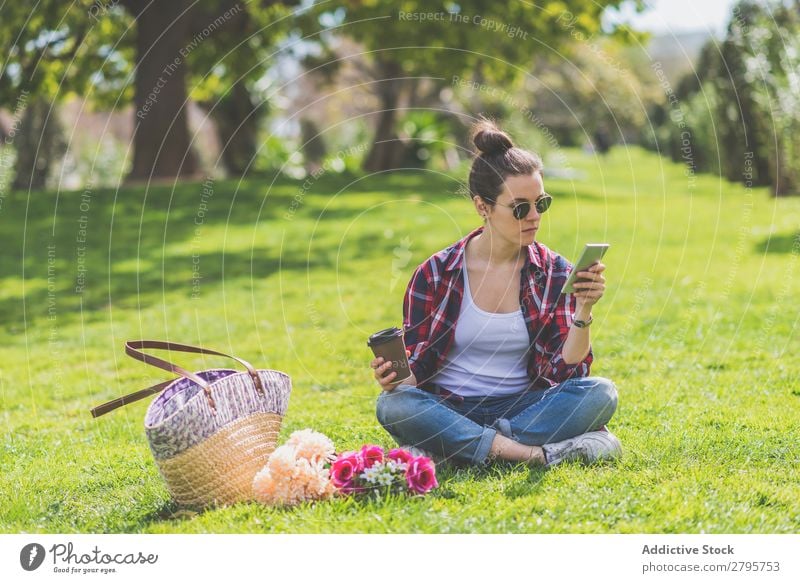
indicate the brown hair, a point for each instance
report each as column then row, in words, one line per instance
column 497, row 159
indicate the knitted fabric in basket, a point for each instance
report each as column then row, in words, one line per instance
column 212, row 458
column 181, row 417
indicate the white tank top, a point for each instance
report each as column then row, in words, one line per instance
column 488, row 355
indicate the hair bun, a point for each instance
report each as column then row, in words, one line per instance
column 490, row 139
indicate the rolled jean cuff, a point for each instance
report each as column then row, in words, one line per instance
column 484, row 446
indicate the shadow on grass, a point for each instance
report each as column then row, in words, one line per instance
column 779, row 243
column 168, row 511
column 119, row 248
column 147, row 279
column 172, row 512
column 138, row 289
column 116, row 249
column 450, row 475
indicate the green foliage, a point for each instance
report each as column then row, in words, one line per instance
column 59, row 49
column 746, row 103
column 449, row 38
column 595, row 84
column 430, row 135
column 439, row 42
column 278, row 153
column 87, row 47
column 700, row 349
column 238, row 53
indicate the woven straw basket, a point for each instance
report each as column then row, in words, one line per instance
column 211, row 431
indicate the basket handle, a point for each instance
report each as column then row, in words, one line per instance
column 131, row 398
column 131, row 349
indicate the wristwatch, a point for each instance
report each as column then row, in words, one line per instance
column 582, row 323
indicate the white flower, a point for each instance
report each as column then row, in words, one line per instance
column 383, row 473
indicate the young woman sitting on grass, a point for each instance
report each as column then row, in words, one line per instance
column 500, row 358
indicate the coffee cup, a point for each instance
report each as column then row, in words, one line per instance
column 389, row 344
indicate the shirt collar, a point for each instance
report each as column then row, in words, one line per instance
column 456, row 256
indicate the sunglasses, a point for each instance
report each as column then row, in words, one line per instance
column 521, row 209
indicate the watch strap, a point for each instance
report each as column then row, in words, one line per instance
column 582, row 323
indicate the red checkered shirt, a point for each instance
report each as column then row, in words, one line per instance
column 433, row 302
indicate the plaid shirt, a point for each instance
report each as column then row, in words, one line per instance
column 433, row 302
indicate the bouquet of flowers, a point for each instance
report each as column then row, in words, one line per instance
column 297, row 471
column 369, row 469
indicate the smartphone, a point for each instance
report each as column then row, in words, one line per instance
column 592, row 253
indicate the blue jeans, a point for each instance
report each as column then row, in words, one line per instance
column 463, row 432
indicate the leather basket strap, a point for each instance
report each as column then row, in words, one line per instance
column 131, row 347
column 131, row 398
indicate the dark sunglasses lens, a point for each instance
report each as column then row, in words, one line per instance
column 521, row 210
column 543, row 203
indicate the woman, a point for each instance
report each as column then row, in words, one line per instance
column 499, row 357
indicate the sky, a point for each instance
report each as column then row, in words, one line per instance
column 676, row 16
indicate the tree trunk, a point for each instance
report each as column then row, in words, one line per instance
column 161, row 132
column 237, row 121
column 40, row 145
column 387, row 149
column 313, row 145
column 786, row 181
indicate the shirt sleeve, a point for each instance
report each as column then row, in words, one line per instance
column 558, row 329
column 417, row 317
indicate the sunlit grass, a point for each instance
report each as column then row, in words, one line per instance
column 698, row 328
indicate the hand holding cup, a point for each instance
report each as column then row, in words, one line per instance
column 391, row 358
column 380, row 367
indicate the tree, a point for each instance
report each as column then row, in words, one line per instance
column 439, row 41
column 145, row 51
column 217, row 39
column 39, row 144
column 598, row 91
column 743, row 104
column 41, row 49
column 161, row 131
column 226, row 70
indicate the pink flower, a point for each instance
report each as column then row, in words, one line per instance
column 371, row 454
column 345, row 468
column 421, row 475
column 400, row 455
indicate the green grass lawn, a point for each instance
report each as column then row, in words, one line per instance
column 698, row 328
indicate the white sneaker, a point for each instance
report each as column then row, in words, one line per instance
column 587, row 448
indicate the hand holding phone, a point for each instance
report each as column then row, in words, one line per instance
column 592, row 253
